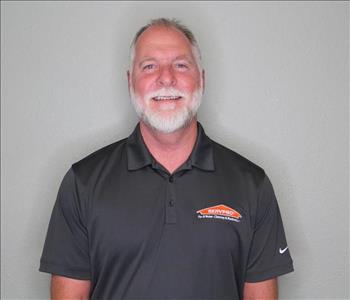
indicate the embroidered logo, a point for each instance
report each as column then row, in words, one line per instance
column 219, row 212
column 283, row 250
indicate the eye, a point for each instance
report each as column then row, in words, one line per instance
column 149, row 67
column 181, row 66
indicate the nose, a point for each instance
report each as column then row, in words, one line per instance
column 166, row 77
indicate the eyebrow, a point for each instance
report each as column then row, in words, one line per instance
column 176, row 58
column 184, row 57
column 146, row 59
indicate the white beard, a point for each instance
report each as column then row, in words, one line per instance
column 172, row 121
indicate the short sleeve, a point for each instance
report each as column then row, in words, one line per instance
column 66, row 248
column 269, row 255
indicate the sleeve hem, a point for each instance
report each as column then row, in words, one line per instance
column 64, row 271
column 270, row 273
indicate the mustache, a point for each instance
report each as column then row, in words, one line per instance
column 171, row 92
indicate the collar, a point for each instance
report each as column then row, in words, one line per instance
column 138, row 155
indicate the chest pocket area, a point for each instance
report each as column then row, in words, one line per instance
column 220, row 227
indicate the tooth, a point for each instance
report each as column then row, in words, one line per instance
column 158, row 98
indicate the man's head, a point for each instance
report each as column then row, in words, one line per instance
column 165, row 77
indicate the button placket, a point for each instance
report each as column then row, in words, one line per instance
column 170, row 201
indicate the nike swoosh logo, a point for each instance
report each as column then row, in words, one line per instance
column 283, row 250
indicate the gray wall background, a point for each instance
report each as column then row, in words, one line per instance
column 276, row 92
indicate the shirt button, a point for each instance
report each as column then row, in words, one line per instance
column 171, row 179
column 171, row 203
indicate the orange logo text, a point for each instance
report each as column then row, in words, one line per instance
column 220, row 210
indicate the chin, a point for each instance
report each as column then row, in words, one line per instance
column 167, row 121
column 170, row 123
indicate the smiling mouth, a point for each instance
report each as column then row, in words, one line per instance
column 162, row 98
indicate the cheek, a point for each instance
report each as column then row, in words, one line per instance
column 143, row 85
column 189, row 84
column 190, row 80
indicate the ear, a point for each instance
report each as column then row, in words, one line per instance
column 203, row 79
column 128, row 76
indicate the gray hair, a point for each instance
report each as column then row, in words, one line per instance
column 170, row 23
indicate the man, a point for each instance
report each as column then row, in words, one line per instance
column 166, row 213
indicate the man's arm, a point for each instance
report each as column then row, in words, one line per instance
column 68, row 288
column 267, row 290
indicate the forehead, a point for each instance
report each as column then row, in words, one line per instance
column 159, row 39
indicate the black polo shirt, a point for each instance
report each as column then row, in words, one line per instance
column 137, row 232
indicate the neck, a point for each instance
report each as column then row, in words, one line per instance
column 170, row 149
